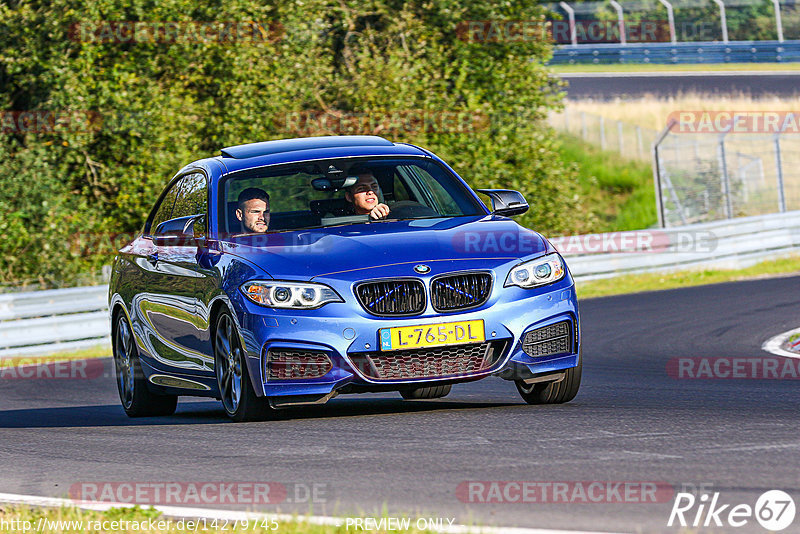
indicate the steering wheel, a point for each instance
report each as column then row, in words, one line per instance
column 409, row 209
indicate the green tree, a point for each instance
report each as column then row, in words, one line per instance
column 138, row 111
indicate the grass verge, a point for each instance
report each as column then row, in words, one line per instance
column 149, row 520
column 637, row 283
column 100, row 351
column 691, row 67
column 653, row 112
column 617, row 192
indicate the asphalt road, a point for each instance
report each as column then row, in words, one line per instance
column 602, row 86
column 630, row 422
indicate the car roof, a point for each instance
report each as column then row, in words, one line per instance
column 251, row 155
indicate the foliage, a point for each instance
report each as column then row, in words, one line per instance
column 616, row 193
column 139, row 110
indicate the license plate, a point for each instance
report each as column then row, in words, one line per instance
column 431, row 335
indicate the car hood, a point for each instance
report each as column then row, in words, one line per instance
column 442, row 244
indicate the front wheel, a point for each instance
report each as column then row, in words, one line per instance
column 553, row 392
column 236, row 391
column 137, row 399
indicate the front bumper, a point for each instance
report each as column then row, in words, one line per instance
column 347, row 337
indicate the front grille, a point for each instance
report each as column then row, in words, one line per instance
column 392, row 297
column 439, row 362
column 549, row 340
column 460, row 291
column 292, row 365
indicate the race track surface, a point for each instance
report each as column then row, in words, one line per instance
column 630, row 422
column 607, row 86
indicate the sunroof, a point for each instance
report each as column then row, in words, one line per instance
column 304, row 143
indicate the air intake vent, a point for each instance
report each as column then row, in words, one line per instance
column 548, row 341
column 460, row 291
column 392, row 297
column 295, row 365
column 440, row 362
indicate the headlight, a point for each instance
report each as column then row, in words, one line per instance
column 294, row 295
column 537, row 272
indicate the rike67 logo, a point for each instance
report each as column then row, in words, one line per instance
column 774, row 510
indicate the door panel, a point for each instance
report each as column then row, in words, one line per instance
column 168, row 307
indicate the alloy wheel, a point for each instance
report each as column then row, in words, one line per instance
column 228, row 364
column 124, row 362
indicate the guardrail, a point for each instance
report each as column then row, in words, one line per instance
column 728, row 244
column 37, row 322
column 40, row 322
column 684, row 52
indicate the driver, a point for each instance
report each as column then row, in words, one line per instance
column 364, row 196
column 253, row 210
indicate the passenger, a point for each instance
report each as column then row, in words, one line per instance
column 364, row 195
column 253, row 210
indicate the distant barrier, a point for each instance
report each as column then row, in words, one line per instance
column 685, row 52
column 37, row 322
column 728, row 244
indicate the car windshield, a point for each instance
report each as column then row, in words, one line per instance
column 341, row 192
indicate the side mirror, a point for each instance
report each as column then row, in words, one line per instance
column 506, row 201
column 178, row 232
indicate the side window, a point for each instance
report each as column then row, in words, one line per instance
column 193, row 198
column 431, row 191
column 400, row 191
column 164, row 210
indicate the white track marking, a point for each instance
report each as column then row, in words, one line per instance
column 773, row 345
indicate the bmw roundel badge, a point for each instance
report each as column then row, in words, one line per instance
column 422, row 269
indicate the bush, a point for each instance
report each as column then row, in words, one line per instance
column 150, row 108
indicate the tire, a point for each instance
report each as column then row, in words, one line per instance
column 137, row 399
column 432, row 392
column 553, row 392
column 236, row 390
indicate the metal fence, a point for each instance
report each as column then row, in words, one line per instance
column 702, row 177
column 712, row 176
column 631, row 141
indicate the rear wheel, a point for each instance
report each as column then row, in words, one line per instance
column 553, row 392
column 136, row 397
column 432, row 392
column 236, row 390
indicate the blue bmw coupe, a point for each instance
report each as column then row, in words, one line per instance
column 287, row 272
